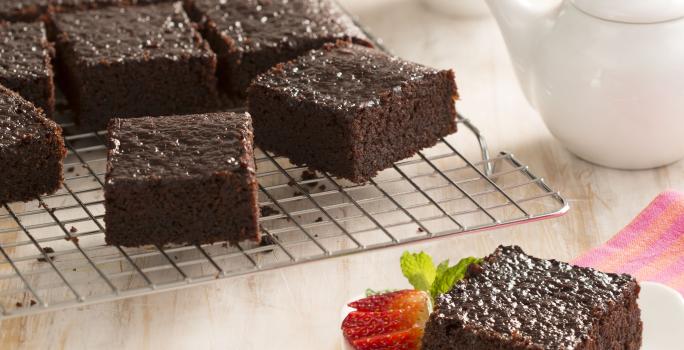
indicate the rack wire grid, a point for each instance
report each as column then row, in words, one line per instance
column 53, row 253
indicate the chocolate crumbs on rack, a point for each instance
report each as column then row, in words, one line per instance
column 268, row 211
column 47, row 251
column 310, row 174
column 266, row 241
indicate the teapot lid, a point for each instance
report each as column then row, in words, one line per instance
column 633, row 11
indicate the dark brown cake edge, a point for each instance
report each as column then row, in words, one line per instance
column 343, row 151
column 39, row 90
column 236, row 70
column 46, row 174
column 619, row 326
column 121, row 231
column 75, row 77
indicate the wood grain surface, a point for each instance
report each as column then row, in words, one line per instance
column 298, row 307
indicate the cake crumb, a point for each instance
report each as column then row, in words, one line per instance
column 319, row 219
column 268, row 211
column 309, row 174
column 266, row 241
column 73, row 229
column 420, row 229
column 32, row 302
column 18, row 304
column 47, row 251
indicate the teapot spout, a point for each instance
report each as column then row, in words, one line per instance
column 523, row 23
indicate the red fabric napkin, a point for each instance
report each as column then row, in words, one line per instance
column 650, row 248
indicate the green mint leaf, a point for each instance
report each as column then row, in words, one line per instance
column 419, row 269
column 447, row 277
column 443, row 266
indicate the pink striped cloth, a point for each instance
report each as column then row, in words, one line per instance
column 650, row 248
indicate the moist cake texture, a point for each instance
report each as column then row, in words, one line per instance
column 70, row 5
column 25, row 66
column 31, row 150
column 33, row 10
column 351, row 110
column 250, row 36
column 515, row 301
column 134, row 61
column 181, row 179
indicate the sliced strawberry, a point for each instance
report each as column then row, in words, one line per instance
column 408, row 339
column 390, row 301
column 360, row 324
column 391, row 318
column 390, row 321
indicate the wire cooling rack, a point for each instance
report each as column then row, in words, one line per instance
column 53, row 253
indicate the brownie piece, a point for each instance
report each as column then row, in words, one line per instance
column 71, row 5
column 134, row 61
column 25, row 66
column 515, row 301
column 181, row 179
column 351, row 110
column 250, row 36
column 22, row 10
column 31, row 150
column 32, row 10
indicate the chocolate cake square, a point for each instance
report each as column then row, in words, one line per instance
column 515, row 301
column 351, row 110
column 22, row 10
column 181, row 179
column 72, row 5
column 25, row 67
column 250, row 36
column 32, row 10
column 31, row 150
column 133, row 61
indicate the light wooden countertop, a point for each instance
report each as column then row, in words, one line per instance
column 298, row 307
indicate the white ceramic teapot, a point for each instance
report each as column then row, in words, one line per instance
column 607, row 76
